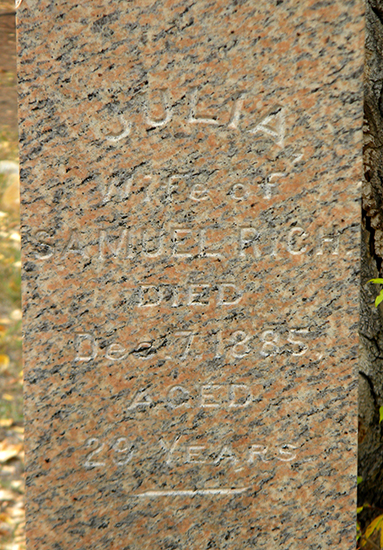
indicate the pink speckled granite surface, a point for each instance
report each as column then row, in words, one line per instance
column 190, row 226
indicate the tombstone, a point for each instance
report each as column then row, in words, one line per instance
column 190, row 227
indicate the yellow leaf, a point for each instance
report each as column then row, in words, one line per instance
column 8, row 451
column 4, row 360
column 15, row 236
column 5, row 530
column 6, row 495
column 4, row 320
column 11, row 195
column 5, row 422
column 6, row 518
column 376, row 524
column 7, row 397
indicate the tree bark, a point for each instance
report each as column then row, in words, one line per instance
column 370, row 459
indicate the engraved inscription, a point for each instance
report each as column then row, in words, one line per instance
column 271, row 125
column 186, row 243
column 182, row 450
column 192, row 295
column 183, row 345
column 163, row 190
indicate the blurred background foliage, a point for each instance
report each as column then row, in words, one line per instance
column 11, row 375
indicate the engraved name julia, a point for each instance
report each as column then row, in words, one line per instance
column 270, row 124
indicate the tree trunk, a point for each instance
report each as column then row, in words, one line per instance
column 370, row 489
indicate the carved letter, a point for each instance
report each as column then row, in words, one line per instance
column 169, row 449
column 179, row 236
column 226, row 453
column 168, row 112
column 152, row 253
column 178, row 397
column 240, row 396
column 43, row 246
column 145, row 295
column 199, row 193
column 105, row 241
column 257, row 450
column 123, row 190
column 115, row 352
column 222, row 299
column 295, row 231
column 267, row 187
column 248, row 237
column 287, row 455
column 193, row 119
column 141, row 399
column 198, row 298
column 85, row 345
column 125, row 132
column 73, row 247
column 332, row 238
column 236, row 113
column 272, row 125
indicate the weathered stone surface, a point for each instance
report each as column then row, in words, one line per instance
column 190, row 223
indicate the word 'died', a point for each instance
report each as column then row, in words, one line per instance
column 270, row 125
column 184, row 451
column 183, row 345
column 192, row 295
column 188, row 243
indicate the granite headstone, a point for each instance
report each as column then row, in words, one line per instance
column 190, row 228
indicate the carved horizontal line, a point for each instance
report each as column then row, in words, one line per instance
column 155, row 494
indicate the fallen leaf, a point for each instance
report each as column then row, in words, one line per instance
column 15, row 236
column 4, row 360
column 6, row 495
column 5, row 530
column 5, row 422
column 7, row 397
column 17, row 485
column 8, row 470
column 375, row 525
column 11, row 195
column 16, row 314
column 16, row 510
column 8, row 450
column 8, row 166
